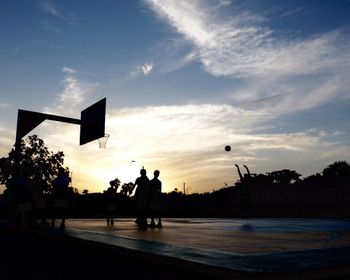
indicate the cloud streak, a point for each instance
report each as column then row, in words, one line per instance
column 143, row 70
column 74, row 95
column 49, row 8
column 243, row 46
column 303, row 72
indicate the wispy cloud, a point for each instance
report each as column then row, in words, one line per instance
column 224, row 3
column 74, row 95
column 49, row 8
column 144, row 70
column 291, row 12
column 302, row 72
column 243, row 46
column 52, row 28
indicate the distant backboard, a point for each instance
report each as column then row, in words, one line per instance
column 92, row 124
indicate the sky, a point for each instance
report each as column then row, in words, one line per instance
column 182, row 79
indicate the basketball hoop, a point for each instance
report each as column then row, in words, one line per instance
column 103, row 141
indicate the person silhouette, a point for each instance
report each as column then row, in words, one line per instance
column 24, row 203
column 141, row 198
column 38, row 203
column 110, row 202
column 244, row 192
column 60, row 197
column 155, row 199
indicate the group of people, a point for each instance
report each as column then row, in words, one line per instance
column 27, row 203
column 148, row 199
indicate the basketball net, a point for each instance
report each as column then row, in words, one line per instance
column 103, row 141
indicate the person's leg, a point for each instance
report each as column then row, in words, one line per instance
column 143, row 218
column 152, row 224
column 63, row 215
column 159, row 225
column 63, row 223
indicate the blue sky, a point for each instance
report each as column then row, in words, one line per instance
column 182, row 80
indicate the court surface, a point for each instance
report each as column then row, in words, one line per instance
column 270, row 245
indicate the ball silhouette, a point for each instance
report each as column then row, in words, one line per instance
column 227, row 148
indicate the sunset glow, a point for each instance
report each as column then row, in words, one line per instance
column 182, row 79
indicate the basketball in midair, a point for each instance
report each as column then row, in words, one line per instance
column 227, row 148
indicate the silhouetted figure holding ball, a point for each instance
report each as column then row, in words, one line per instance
column 244, row 192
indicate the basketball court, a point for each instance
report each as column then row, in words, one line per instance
column 258, row 245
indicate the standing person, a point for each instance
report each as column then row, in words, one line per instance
column 155, row 203
column 244, row 192
column 38, row 203
column 23, row 197
column 141, row 198
column 110, row 202
column 60, row 197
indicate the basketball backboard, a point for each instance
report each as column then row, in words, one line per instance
column 92, row 124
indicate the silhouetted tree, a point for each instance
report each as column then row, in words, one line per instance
column 261, row 180
column 41, row 163
column 86, row 191
column 127, row 189
column 338, row 169
column 313, row 180
column 284, row 177
column 115, row 183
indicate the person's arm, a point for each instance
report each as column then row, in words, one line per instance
column 239, row 172
column 246, row 167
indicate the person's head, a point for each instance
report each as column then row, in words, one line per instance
column 143, row 172
column 156, row 173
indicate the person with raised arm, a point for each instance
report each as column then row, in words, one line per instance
column 244, row 192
